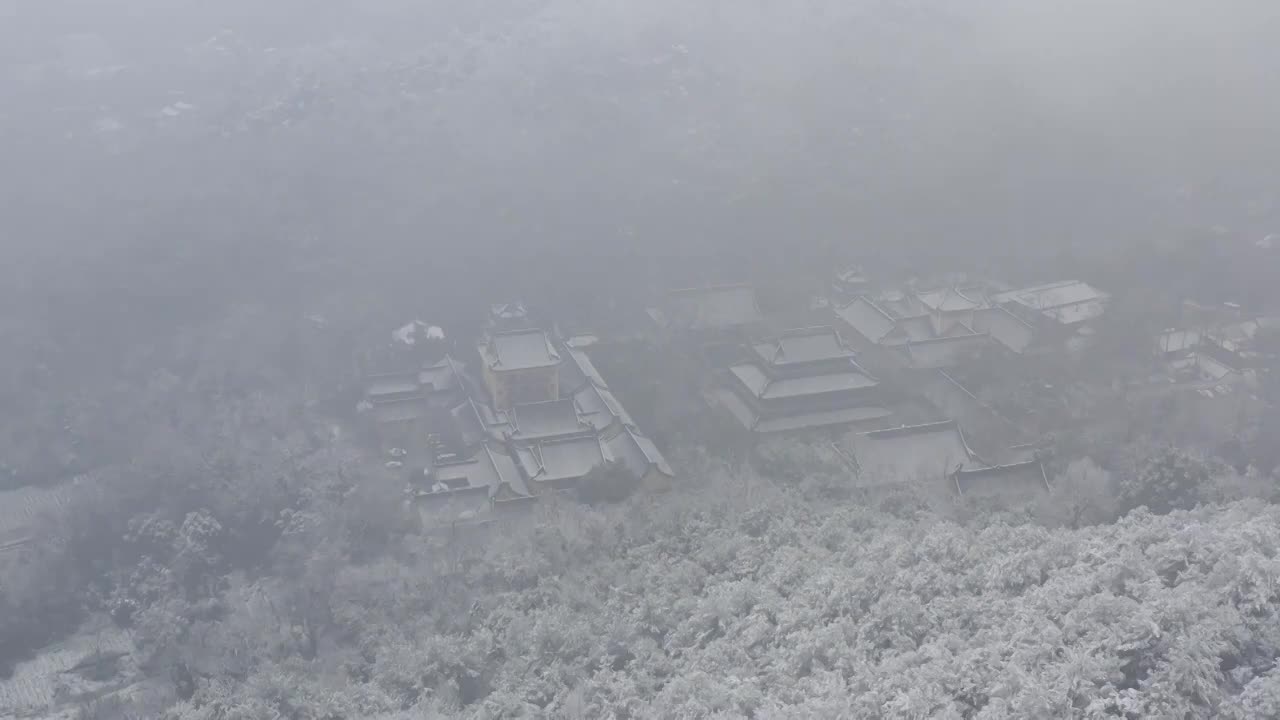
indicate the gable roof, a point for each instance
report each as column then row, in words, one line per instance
column 910, row 454
column 519, row 350
column 487, row 471
column 901, row 304
column 1177, row 341
column 867, row 319
column 1005, row 328
column 638, row 454
column 471, row 424
column 749, row 418
column 803, row 345
column 546, row 419
column 562, row 460
column 390, row 386
column 1003, row 481
column 943, row 352
column 712, row 308
column 1077, row 313
column 599, row 408
column 948, row 299
column 1053, row 295
column 440, row 377
column 764, row 387
column 914, row 329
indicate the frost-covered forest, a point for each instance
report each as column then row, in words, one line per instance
column 209, row 211
column 733, row 597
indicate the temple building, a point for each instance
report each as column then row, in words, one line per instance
column 919, row 330
column 520, row 366
column 538, row 419
column 400, row 405
column 1061, row 306
column 937, row 456
column 802, row 379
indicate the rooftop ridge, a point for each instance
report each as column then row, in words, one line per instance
column 946, row 338
column 876, row 306
column 807, row 331
column 705, row 288
column 995, row 469
column 912, row 429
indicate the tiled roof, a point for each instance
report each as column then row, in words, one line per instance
column 487, row 471
column 519, row 350
column 944, row 352
column 379, row 386
column 1003, row 481
column 824, row 418
column 1177, row 341
column 582, row 361
column 1053, row 295
column 921, row 453
column 916, row 329
column 948, row 299
column 599, row 408
column 901, row 305
column 546, row 419
column 440, row 377
column 802, row 346
column 562, row 460
column 1005, row 328
column 1074, row 314
column 764, row 387
column 747, row 417
column 637, row 453
column 470, row 422
column 867, row 319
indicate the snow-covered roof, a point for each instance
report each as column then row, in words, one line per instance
column 764, row 387
column 556, row 461
column 948, row 299
column 386, row 386
column 519, row 350
column 1005, row 328
column 551, row 418
column 1176, row 341
column 914, row 454
column 1054, row 295
column 442, row 376
column 802, row 346
column 1009, row 482
column 749, row 418
column 637, row 453
column 487, row 471
column 867, row 319
column 944, row 352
